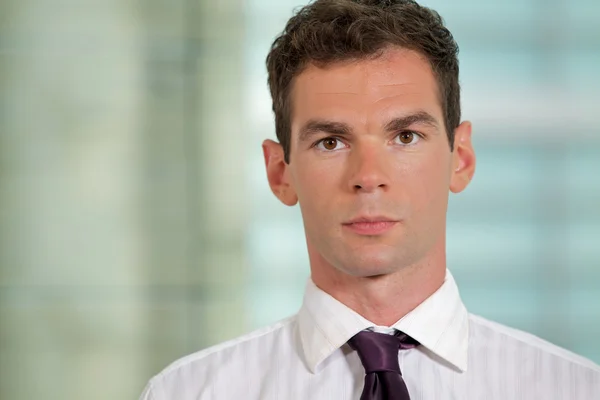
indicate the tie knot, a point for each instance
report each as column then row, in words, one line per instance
column 379, row 351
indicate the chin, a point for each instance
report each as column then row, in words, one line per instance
column 370, row 265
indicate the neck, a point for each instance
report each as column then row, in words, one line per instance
column 383, row 299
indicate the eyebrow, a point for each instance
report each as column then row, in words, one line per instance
column 420, row 117
column 314, row 126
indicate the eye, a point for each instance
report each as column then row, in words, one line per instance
column 407, row 138
column 329, row 144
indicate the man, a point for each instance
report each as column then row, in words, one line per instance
column 367, row 110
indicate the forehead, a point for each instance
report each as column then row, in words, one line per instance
column 397, row 81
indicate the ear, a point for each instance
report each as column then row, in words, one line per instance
column 278, row 173
column 463, row 158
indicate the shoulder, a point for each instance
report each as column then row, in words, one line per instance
column 190, row 374
column 489, row 336
column 245, row 343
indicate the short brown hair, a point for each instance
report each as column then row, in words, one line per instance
column 329, row 31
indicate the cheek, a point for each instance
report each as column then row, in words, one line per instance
column 315, row 184
column 429, row 185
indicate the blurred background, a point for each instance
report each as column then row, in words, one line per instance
column 136, row 224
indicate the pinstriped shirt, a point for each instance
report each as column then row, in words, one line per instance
column 462, row 356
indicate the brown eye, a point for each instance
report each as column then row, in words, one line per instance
column 330, row 143
column 408, row 138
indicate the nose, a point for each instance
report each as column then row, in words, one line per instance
column 367, row 170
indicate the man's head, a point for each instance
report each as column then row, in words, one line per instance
column 366, row 101
column 331, row 31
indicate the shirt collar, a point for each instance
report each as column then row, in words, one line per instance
column 440, row 324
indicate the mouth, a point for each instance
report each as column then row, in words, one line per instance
column 370, row 225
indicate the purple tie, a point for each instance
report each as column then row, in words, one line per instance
column 378, row 353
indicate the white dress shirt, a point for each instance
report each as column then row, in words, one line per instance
column 462, row 356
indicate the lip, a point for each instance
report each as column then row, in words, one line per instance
column 370, row 225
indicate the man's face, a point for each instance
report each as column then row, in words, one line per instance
column 370, row 163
